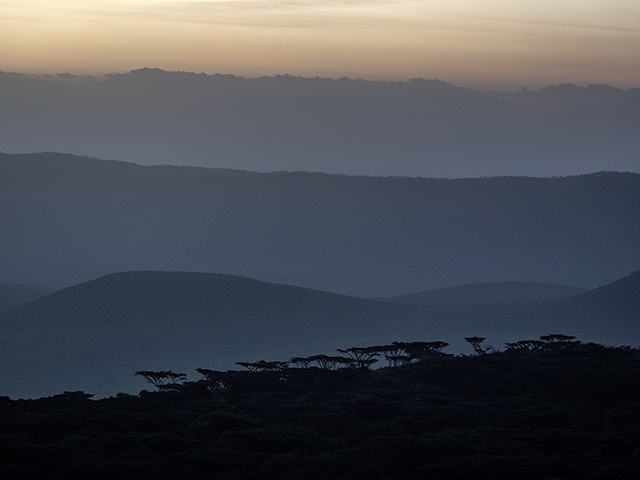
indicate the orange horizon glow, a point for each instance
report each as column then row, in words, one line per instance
column 492, row 44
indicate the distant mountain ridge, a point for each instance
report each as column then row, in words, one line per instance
column 75, row 218
column 349, row 126
column 95, row 335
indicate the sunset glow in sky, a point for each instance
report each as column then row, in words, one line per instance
column 486, row 43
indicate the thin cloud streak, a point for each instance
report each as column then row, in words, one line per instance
column 539, row 23
column 253, row 4
column 319, row 13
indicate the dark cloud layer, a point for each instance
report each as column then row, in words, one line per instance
column 415, row 128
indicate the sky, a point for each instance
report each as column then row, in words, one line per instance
column 485, row 44
column 158, row 89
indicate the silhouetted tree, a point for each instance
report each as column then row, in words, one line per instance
column 558, row 341
column 158, row 378
column 398, row 360
column 525, row 345
column 362, row 356
column 476, row 344
column 262, row 366
column 419, row 350
column 301, row 362
column 326, row 362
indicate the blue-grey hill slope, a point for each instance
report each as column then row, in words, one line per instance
column 609, row 315
column 12, row 295
column 621, row 296
column 72, row 219
column 95, row 335
column 495, row 292
column 615, row 305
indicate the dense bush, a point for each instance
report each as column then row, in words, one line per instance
column 534, row 411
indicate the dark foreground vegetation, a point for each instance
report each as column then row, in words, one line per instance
column 542, row 409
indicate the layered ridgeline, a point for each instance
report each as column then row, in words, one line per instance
column 67, row 219
column 95, row 335
column 484, row 293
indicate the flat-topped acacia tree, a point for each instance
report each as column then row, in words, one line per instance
column 158, row 378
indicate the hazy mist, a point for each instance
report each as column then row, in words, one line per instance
column 415, row 128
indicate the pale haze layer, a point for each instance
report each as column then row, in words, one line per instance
column 416, row 128
column 485, row 44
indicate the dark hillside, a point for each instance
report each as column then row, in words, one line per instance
column 619, row 300
column 609, row 314
column 621, row 296
column 73, row 219
column 94, row 335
